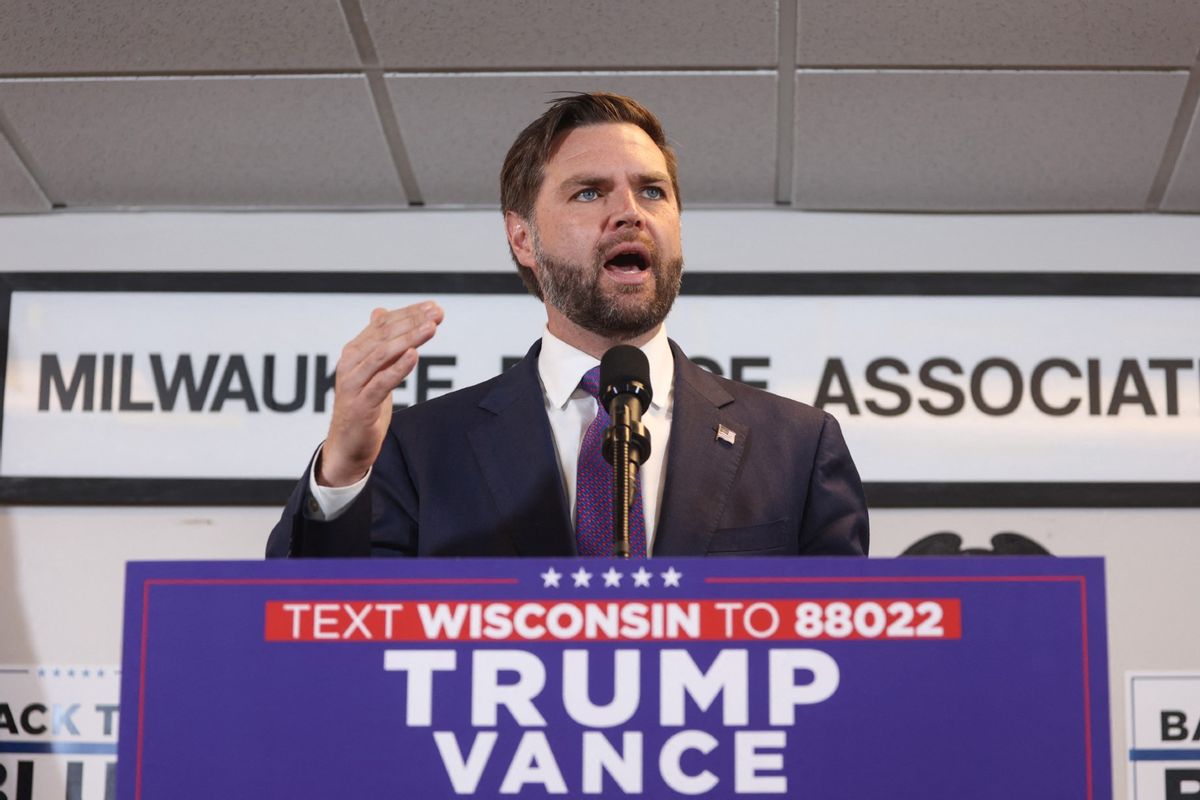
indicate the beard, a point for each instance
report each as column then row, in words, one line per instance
column 616, row 311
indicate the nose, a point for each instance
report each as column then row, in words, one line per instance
column 627, row 211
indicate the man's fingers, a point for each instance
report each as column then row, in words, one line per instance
column 403, row 328
column 398, row 320
column 433, row 312
column 382, row 355
column 385, row 354
column 405, row 320
column 384, row 381
column 386, row 324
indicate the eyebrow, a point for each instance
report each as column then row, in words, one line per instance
column 643, row 179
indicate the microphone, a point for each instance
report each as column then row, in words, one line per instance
column 626, row 393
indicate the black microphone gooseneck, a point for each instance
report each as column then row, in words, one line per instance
column 625, row 392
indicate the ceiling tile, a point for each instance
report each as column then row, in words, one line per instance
column 272, row 141
column 981, row 141
column 1067, row 33
column 529, row 34
column 18, row 191
column 1183, row 192
column 457, row 128
column 90, row 36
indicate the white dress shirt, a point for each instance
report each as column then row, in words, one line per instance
column 570, row 411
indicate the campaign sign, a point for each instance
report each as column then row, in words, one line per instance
column 1163, row 722
column 808, row 677
column 58, row 732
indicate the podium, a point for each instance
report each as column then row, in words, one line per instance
column 817, row 678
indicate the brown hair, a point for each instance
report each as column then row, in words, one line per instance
column 522, row 174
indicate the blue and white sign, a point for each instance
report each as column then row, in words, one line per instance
column 1164, row 735
column 815, row 678
column 58, row 732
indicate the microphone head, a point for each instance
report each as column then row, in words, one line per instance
column 623, row 366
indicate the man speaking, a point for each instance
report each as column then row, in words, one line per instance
column 512, row 466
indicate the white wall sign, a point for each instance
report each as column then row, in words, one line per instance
column 1164, row 735
column 929, row 389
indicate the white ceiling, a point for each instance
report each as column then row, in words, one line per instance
column 924, row 105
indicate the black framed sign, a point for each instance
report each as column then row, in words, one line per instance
column 953, row 389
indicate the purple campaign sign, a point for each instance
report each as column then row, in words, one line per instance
column 815, row 678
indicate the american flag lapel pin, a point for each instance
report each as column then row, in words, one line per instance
column 725, row 435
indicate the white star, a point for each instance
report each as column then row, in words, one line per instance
column 642, row 577
column 582, row 577
column 671, row 577
column 550, row 578
column 612, row 577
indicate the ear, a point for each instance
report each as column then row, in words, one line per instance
column 520, row 239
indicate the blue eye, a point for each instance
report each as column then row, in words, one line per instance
column 587, row 195
column 655, row 192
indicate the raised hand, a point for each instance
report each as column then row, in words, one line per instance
column 371, row 366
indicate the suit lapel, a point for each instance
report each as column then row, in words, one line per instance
column 515, row 452
column 700, row 467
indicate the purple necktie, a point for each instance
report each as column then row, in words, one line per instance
column 594, row 488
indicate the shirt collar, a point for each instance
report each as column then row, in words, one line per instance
column 560, row 366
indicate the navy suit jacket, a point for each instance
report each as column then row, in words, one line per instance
column 474, row 473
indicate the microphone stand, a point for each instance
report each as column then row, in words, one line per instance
column 627, row 445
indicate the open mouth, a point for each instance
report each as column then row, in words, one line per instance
column 628, row 261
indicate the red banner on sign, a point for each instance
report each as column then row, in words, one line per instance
column 626, row 620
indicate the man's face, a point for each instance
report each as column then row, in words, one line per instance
column 605, row 232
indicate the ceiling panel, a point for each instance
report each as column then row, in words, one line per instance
column 981, row 141
column 457, row 128
column 1183, row 193
column 1070, row 33
column 530, row 34
column 89, row 36
column 272, row 141
column 18, row 191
